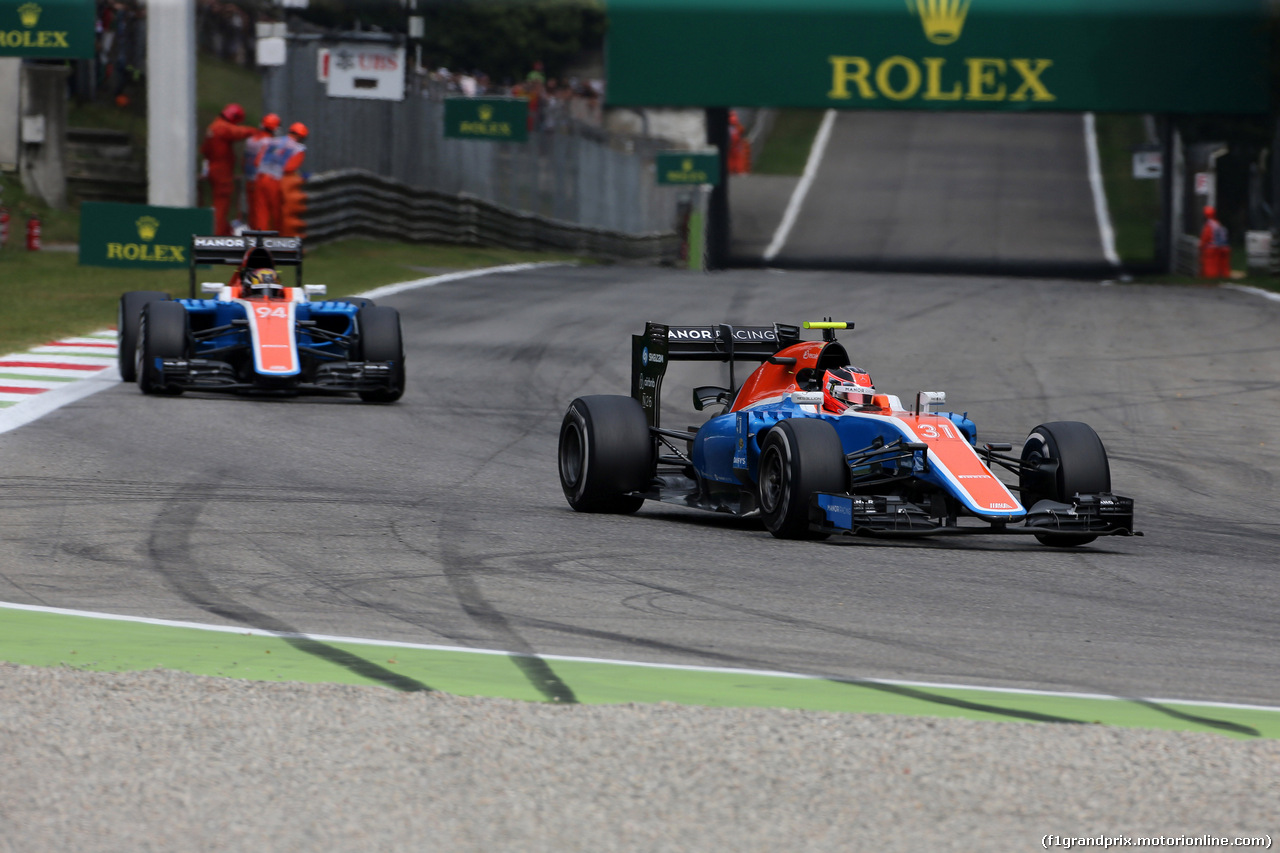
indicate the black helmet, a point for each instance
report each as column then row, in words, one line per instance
column 263, row 282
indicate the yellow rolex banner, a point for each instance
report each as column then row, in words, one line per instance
column 139, row 235
column 47, row 29
column 1176, row 56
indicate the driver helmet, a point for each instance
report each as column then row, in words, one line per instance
column 843, row 387
column 263, row 282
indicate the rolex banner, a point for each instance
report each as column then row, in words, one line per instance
column 494, row 119
column 139, row 235
column 47, row 29
column 687, row 168
column 1177, row 56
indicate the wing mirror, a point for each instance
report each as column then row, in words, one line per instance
column 316, row 289
column 806, row 398
column 926, row 400
column 214, row 287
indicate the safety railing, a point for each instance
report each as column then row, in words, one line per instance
column 358, row 203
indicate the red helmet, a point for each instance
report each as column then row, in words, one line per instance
column 1209, row 212
column 233, row 113
column 843, row 387
column 270, row 121
column 298, row 129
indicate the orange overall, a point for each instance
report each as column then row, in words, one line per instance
column 280, row 156
column 219, row 151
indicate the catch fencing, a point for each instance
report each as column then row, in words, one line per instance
column 568, row 173
column 357, row 203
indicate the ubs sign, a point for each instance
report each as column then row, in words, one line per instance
column 369, row 71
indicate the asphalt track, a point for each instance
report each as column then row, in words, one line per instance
column 439, row 520
column 976, row 193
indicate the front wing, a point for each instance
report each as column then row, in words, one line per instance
column 336, row 377
column 1102, row 514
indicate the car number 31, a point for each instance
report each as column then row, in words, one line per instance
column 931, row 431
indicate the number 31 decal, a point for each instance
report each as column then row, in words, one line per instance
column 931, row 431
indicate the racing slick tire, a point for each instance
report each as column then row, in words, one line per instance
column 800, row 456
column 605, row 452
column 380, row 340
column 128, row 317
column 162, row 333
column 1082, row 468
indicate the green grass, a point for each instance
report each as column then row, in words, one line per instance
column 56, row 226
column 218, row 83
column 48, row 295
column 1134, row 204
column 786, row 148
column 1239, row 263
column 109, row 645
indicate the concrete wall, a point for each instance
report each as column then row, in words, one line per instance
column 10, row 88
column 43, row 163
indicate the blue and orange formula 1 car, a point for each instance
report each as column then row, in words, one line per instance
column 809, row 444
column 254, row 334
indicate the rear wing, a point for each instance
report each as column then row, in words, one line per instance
column 661, row 344
column 285, row 251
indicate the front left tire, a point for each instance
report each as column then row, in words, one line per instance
column 799, row 456
column 1071, row 460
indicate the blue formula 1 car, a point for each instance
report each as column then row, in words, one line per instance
column 254, row 334
column 810, row 445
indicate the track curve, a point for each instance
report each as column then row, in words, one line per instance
column 440, row 519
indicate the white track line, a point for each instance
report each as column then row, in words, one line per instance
column 802, row 189
column 1256, row 291
column 39, row 405
column 430, row 281
column 1105, row 231
column 357, row 641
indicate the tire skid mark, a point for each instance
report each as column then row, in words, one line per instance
column 169, row 552
column 917, row 693
column 459, row 574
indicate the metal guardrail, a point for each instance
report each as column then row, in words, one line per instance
column 1187, row 255
column 358, row 203
column 568, row 171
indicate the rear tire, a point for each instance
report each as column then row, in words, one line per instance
column 1082, row 469
column 128, row 317
column 800, row 456
column 162, row 333
column 605, row 452
column 380, row 340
